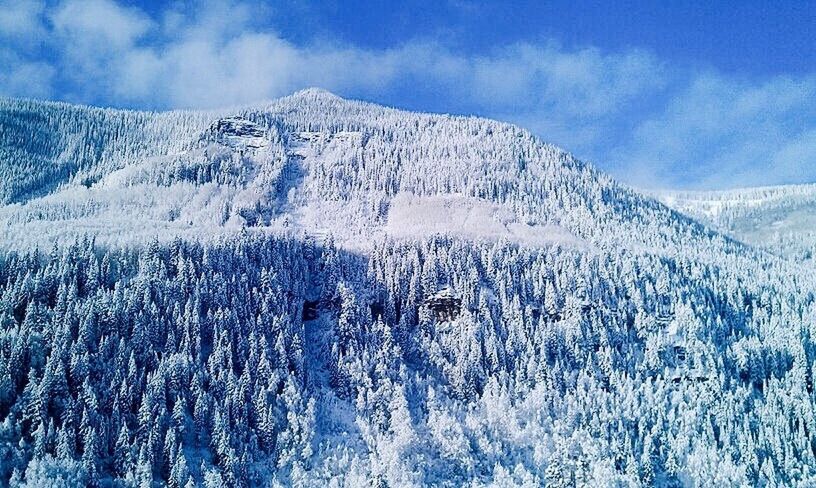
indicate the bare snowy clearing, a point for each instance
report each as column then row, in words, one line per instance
column 414, row 216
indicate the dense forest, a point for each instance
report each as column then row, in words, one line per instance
column 262, row 360
column 779, row 219
column 321, row 292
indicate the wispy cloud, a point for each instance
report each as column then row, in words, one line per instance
column 649, row 124
column 111, row 53
column 21, row 19
column 722, row 132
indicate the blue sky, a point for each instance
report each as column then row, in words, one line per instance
column 660, row 94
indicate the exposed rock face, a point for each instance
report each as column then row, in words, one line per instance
column 444, row 304
column 237, row 132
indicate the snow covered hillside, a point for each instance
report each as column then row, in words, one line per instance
column 779, row 219
column 322, row 292
column 309, row 163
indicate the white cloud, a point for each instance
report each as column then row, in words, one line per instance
column 21, row 18
column 21, row 28
column 722, row 132
column 220, row 55
column 795, row 159
column 25, row 78
column 580, row 83
column 96, row 25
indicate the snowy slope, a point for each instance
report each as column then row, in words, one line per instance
column 311, row 163
column 47, row 144
column 779, row 219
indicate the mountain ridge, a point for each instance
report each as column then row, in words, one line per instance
column 777, row 219
column 499, row 171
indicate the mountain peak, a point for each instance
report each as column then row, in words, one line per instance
column 315, row 93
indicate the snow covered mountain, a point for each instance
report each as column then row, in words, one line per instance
column 322, row 292
column 779, row 219
column 312, row 163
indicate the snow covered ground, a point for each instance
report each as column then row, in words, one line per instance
column 411, row 216
column 779, row 219
column 239, row 173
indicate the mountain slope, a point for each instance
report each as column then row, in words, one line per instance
column 315, row 163
column 45, row 144
column 322, row 292
column 779, row 219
